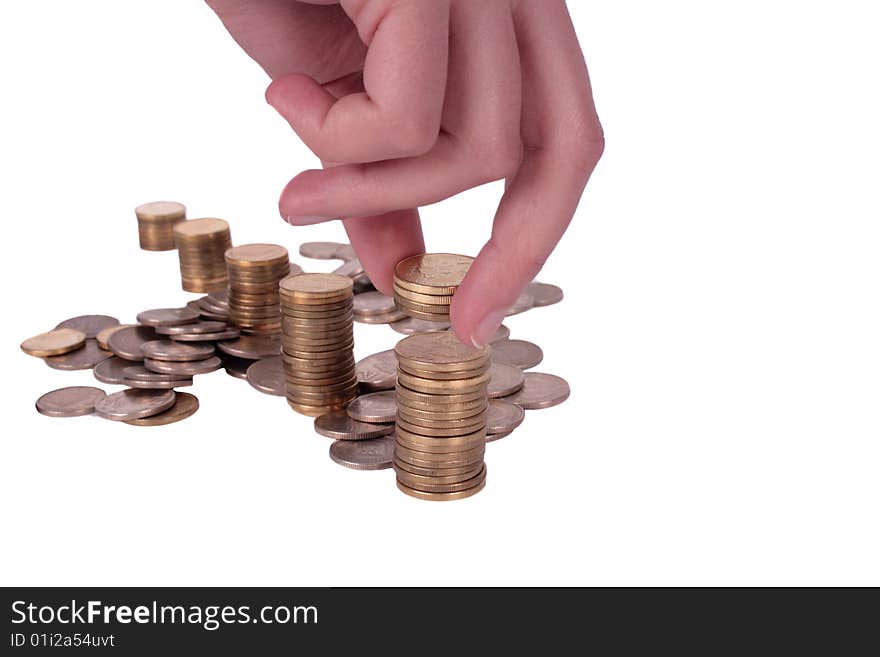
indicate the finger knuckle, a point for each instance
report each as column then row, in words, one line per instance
column 585, row 145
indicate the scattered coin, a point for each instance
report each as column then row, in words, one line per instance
column 503, row 333
column 54, row 343
column 111, row 370
column 373, row 303
column 126, row 343
column 236, row 367
column 91, row 325
column 525, row 301
column 141, row 373
column 196, row 327
column 503, row 416
column 372, row 454
column 411, row 325
column 176, row 351
column 504, row 380
column 267, row 376
column 377, row 407
column 351, row 268
column 168, row 316
column 345, row 252
column 104, row 334
column 377, row 372
column 541, row 390
column 228, row 334
column 337, row 425
column 84, row 358
column 132, row 404
column 320, row 250
column 184, row 369
column 520, row 353
column 544, row 294
column 492, row 437
column 252, row 347
column 70, row 402
column 184, row 406
column 159, row 384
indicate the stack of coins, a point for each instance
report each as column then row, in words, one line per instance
column 254, row 273
column 441, row 416
column 424, row 284
column 156, row 223
column 318, row 342
column 201, row 244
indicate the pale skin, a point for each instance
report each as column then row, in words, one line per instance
column 409, row 102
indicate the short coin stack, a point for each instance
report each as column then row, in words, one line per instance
column 254, row 273
column 156, row 223
column 318, row 342
column 441, row 417
column 424, row 284
column 201, row 244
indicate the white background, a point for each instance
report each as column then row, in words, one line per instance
column 720, row 328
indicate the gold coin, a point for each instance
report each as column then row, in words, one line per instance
column 445, row 386
column 413, row 396
column 105, row 333
column 427, row 317
column 445, row 376
column 452, row 459
column 297, row 299
column 442, row 497
column 432, row 273
column 442, row 421
column 438, row 485
column 460, row 429
column 54, row 342
column 197, row 229
column 439, row 351
column 440, row 445
column 314, row 411
column 441, row 410
column 406, row 305
column 257, row 255
column 421, row 482
column 422, row 299
column 317, row 285
column 434, row 471
column 185, row 405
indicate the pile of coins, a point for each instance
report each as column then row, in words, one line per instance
column 201, row 244
column 156, row 222
column 424, row 284
column 318, row 342
column 255, row 271
column 442, row 397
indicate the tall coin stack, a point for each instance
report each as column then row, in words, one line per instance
column 424, row 284
column 255, row 271
column 201, row 244
column 318, row 342
column 156, row 223
column 442, row 399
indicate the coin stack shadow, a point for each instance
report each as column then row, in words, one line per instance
column 255, row 271
column 201, row 245
column 156, row 223
column 318, row 342
column 440, row 437
column 424, row 284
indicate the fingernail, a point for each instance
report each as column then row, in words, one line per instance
column 487, row 327
column 306, row 220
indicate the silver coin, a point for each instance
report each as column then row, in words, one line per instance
column 206, row 303
column 267, row 375
column 131, row 404
column 220, row 297
column 196, row 327
column 228, row 334
column 111, row 370
column 159, row 385
column 351, row 268
column 503, row 416
column 70, row 402
column 91, row 325
column 412, row 325
column 362, row 284
column 377, row 407
column 168, row 316
column 524, row 302
column 373, row 303
column 252, row 347
column 377, row 372
column 319, row 250
column 544, row 294
column 141, row 373
column 505, row 380
column 503, row 333
column 516, row 352
column 373, row 454
column 219, row 317
column 176, row 351
column 345, row 252
column 126, row 343
column 236, row 367
column 186, row 369
column 84, row 358
column 337, row 425
column 541, row 390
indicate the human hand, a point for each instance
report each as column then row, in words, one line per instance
column 408, row 102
